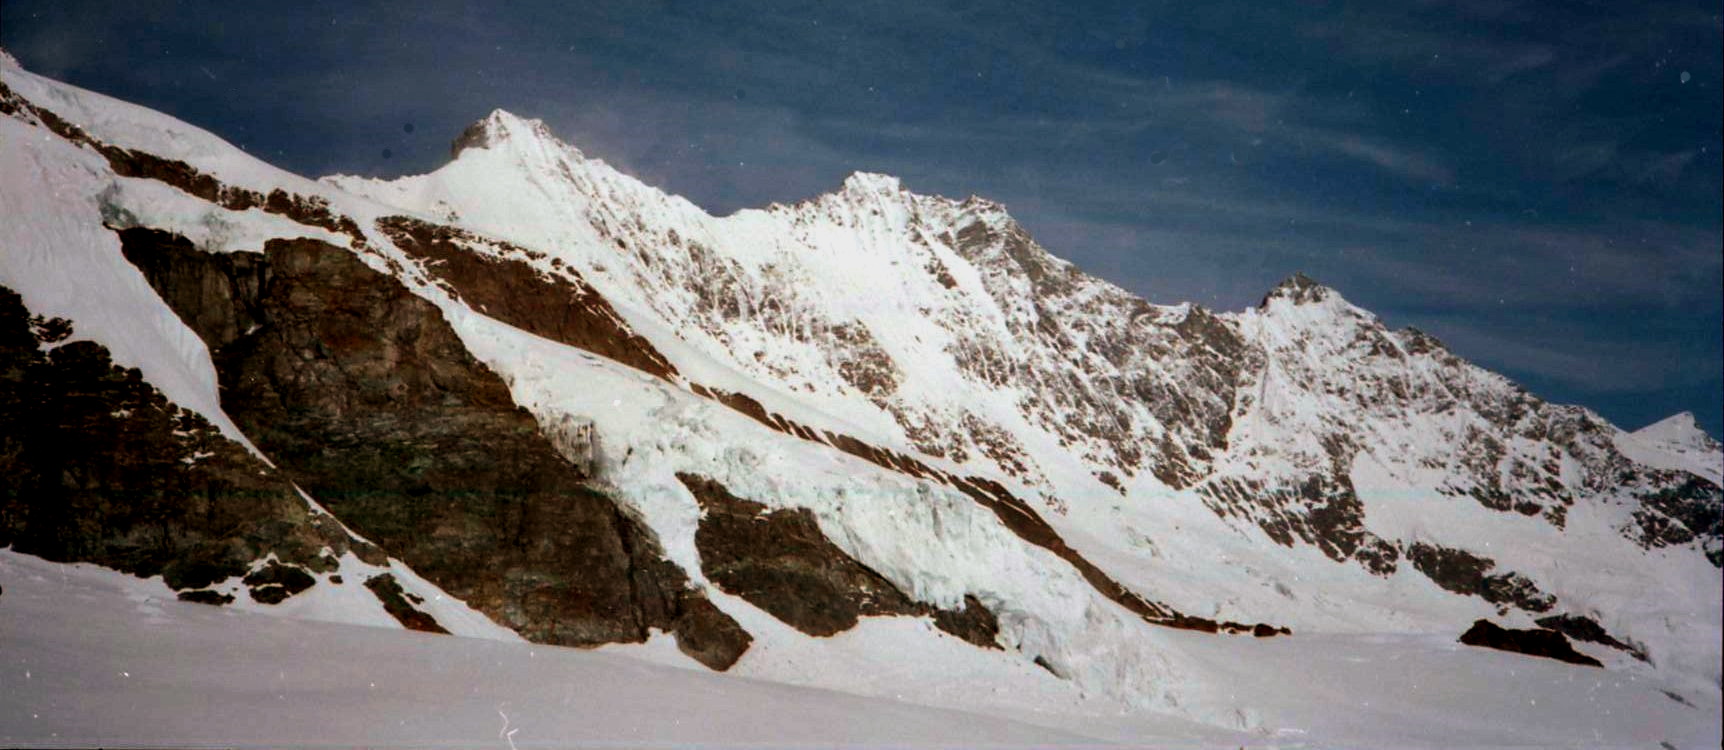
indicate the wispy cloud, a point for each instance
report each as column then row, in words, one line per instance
column 1576, row 356
column 1396, row 160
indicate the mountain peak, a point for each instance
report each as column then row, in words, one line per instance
column 1683, row 419
column 7, row 60
column 872, row 183
column 1680, row 427
column 1298, row 289
column 501, row 126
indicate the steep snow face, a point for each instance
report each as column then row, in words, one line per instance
column 1679, row 431
column 1335, row 386
column 1333, row 383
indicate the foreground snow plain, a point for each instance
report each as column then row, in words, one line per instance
column 91, row 657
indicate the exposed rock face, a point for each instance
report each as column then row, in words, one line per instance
column 308, row 210
column 206, row 596
column 494, row 277
column 1129, row 386
column 366, row 397
column 1014, row 514
column 97, row 466
column 779, row 561
column 397, row 603
column 1538, row 642
column 1465, row 573
column 275, row 582
column 1681, row 509
column 1582, row 628
column 1322, row 510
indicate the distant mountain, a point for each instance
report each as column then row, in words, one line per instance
column 1677, row 443
column 527, row 395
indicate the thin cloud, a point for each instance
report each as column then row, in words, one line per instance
column 1399, row 161
column 1576, row 357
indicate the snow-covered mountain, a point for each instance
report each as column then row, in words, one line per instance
column 875, row 441
column 1676, row 443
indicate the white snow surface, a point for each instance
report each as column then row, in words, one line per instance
column 91, row 657
column 754, row 302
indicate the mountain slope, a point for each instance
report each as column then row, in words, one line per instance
column 848, row 302
column 528, row 378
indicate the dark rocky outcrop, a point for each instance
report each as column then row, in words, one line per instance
column 1323, row 510
column 495, row 278
column 707, row 634
column 274, row 582
column 1686, row 507
column 397, row 603
column 477, row 135
column 1536, row 642
column 98, row 466
column 311, row 211
column 974, row 623
column 366, row 397
column 206, row 596
column 1299, row 289
column 1115, row 347
column 1462, row 572
column 1582, row 628
column 779, row 560
column 1017, row 515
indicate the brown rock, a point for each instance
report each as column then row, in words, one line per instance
column 367, row 398
column 206, row 596
column 496, row 278
column 780, row 561
column 394, row 600
column 1462, row 572
column 274, row 583
column 1539, row 642
column 97, row 466
column 1582, row 628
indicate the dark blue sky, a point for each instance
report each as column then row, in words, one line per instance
column 1535, row 184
